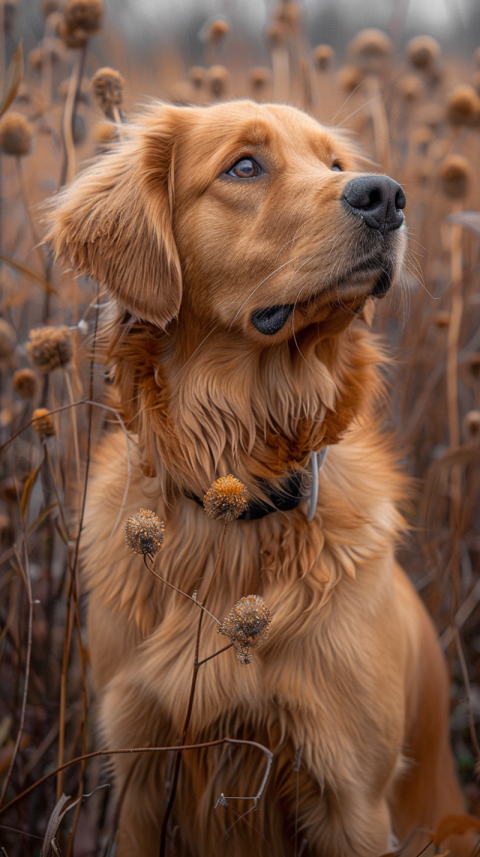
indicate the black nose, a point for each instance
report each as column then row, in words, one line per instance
column 378, row 199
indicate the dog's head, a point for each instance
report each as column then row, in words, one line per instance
column 245, row 233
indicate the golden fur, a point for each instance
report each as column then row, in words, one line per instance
column 352, row 672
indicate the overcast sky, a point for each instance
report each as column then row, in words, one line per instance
column 435, row 16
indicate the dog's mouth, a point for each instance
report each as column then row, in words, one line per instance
column 270, row 320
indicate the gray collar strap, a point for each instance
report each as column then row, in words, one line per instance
column 315, row 464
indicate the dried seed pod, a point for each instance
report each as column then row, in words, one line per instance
column 16, row 134
column 259, row 77
column 49, row 348
column 216, row 31
column 463, row 106
column 323, row 57
column 8, row 339
column 288, row 14
column 371, row 49
column 473, row 363
column 442, row 318
column 423, row 52
column 24, row 383
column 455, row 176
column 275, row 34
column 410, row 89
column 217, row 79
column 86, row 15
column 107, row 86
column 247, row 625
column 43, row 423
column 350, row 78
column 144, row 532
column 226, row 499
column 471, row 425
column 196, row 76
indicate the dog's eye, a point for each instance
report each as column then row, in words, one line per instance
column 245, row 168
column 336, row 167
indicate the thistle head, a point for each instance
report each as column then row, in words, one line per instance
column 144, row 532
column 49, row 348
column 226, row 499
column 42, row 423
column 247, row 626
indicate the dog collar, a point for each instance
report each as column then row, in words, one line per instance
column 297, row 488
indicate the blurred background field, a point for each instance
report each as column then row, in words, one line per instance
column 412, row 101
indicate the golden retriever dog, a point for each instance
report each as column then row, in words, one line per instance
column 241, row 243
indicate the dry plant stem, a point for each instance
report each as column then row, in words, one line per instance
column 76, row 447
column 130, row 751
column 196, row 666
column 180, row 591
column 379, row 120
column 68, row 164
column 26, row 579
column 452, row 401
column 468, row 694
column 281, row 73
column 72, row 597
column 67, row 641
column 26, row 204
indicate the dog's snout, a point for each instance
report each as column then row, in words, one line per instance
column 379, row 200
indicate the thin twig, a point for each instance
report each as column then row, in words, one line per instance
column 186, row 723
column 132, row 750
column 26, row 578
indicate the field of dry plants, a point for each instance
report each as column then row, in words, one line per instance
column 416, row 113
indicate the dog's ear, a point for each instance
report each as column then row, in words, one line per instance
column 114, row 222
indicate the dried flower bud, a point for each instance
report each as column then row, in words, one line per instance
column 144, row 532
column 432, row 115
column 323, row 56
column 247, row 625
column 442, row 318
column 410, row 88
column 86, row 15
column 422, row 137
column 350, row 77
column 260, row 77
column 276, row 34
column 216, row 31
column 423, row 52
column 217, row 78
column 76, row 38
column 24, row 383
column 455, row 176
column 471, row 424
column 196, row 76
column 107, row 87
column 8, row 338
column 16, row 134
column 370, row 49
column 43, row 423
column 49, row 347
column 226, row 499
column 289, row 15
column 463, row 106
column 473, row 363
